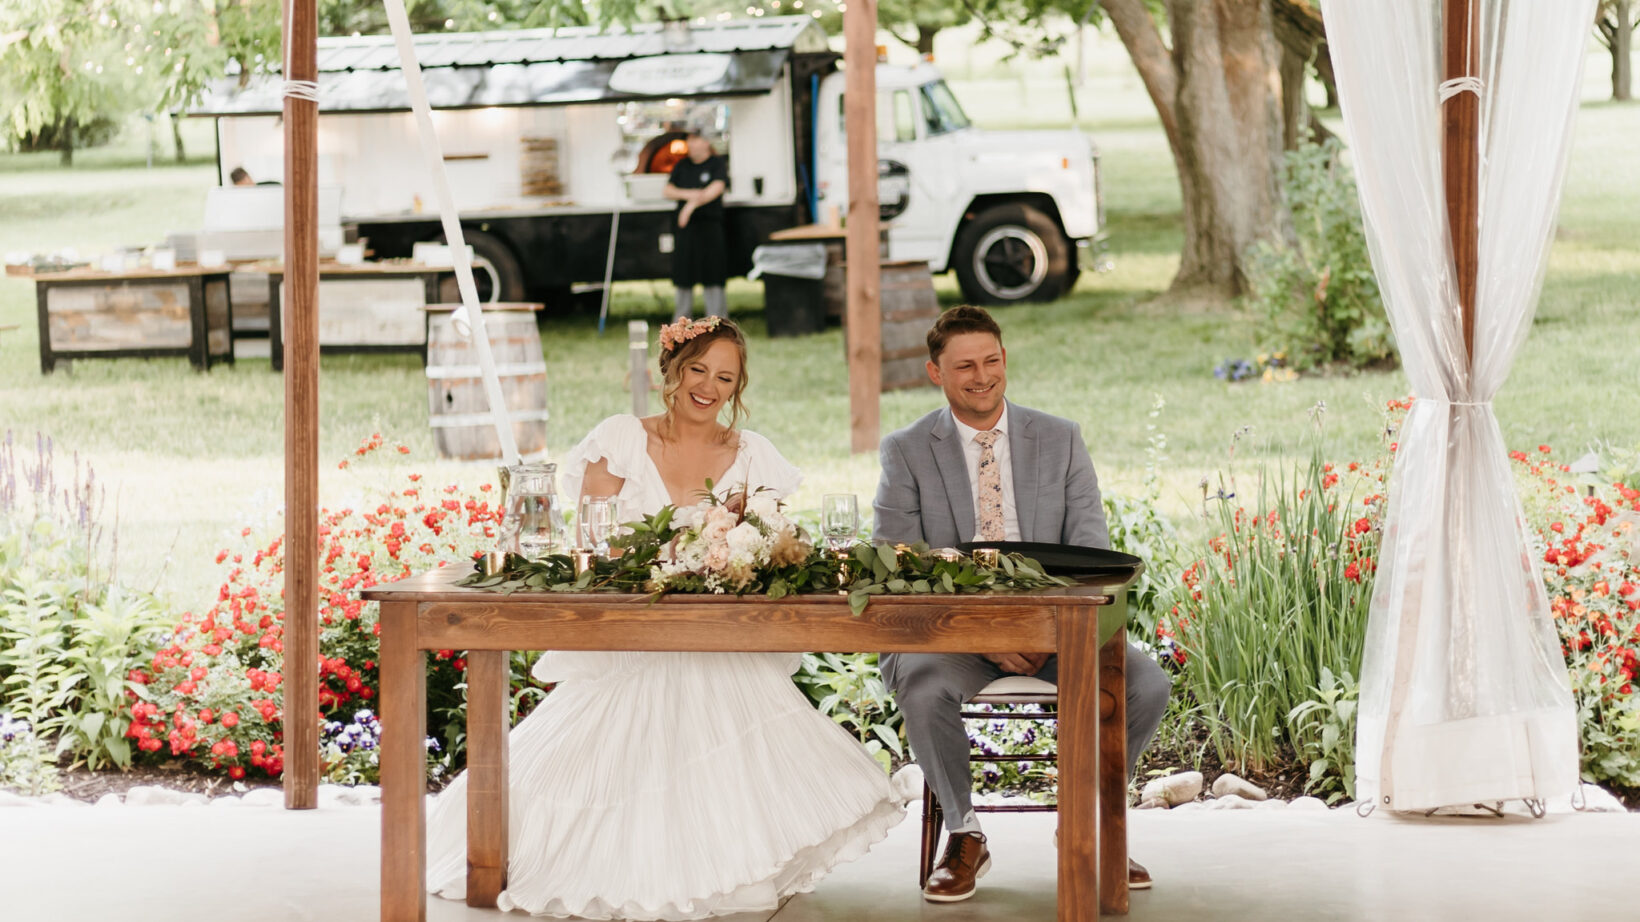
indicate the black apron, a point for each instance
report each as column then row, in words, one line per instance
column 700, row 254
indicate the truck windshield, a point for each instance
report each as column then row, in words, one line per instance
column 941, row 111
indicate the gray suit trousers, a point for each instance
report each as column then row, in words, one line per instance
column 931, row 687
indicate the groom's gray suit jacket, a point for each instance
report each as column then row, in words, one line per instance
column 925, row 495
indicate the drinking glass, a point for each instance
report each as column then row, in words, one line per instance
column 839, row 520
column 599, row 516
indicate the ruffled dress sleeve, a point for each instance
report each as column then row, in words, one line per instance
column 619, row 441
column 761, row 465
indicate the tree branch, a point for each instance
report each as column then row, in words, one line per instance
column 1151, row 57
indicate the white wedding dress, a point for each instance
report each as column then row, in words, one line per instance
column 669, row 786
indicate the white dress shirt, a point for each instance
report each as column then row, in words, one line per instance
column 970, row 453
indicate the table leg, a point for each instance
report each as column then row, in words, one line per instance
column 403, row 766
column 1113, row 852
column 276, row 327
column 199, row 351
column 1079, row 794
column 487, row 775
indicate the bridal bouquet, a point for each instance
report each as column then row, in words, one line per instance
column 719, row 546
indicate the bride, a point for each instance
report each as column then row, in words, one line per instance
column 668, row 786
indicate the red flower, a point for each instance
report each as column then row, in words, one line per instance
column 1544, row 448
column 230, row 720
column 1353, row 572
column 236, row 772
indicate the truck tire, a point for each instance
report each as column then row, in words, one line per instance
column 496, row 272
column 1012, row 253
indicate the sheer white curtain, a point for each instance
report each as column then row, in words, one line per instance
column 1464, row 694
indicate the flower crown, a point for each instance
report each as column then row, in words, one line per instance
column 685, row 329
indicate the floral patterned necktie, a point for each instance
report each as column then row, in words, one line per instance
column 990, row 488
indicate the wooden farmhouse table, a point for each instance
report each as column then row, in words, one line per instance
column 364, row 307
column 1083, row 624
column 140, row 313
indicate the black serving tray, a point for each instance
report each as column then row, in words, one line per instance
column 1071, row 561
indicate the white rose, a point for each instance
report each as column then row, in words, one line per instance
column 744, row 539
column 688, row 516
column 765, row 506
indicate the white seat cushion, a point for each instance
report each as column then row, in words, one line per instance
column 1017, row 689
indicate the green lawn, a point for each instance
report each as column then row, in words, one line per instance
column 189, row 457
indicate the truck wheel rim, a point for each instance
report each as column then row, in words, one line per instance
column 1010, row 262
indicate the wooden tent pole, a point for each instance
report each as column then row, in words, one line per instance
column 865, row 314
column 301, row 317
column 1460, row 155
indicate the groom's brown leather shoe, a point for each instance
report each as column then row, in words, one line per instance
column 1138, row 877
column 966, row 861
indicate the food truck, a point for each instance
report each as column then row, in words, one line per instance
column 552, row 138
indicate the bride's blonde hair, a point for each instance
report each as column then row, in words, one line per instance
column 686, row 340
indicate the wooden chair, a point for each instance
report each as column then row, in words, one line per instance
column 1007, row 692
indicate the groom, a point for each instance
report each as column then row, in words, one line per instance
column 985, row 469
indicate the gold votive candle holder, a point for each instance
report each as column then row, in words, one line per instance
column 494, row 562
column 947, row 554
column 581, row 559
column 987, row 557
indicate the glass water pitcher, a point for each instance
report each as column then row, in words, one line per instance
column 533, row 525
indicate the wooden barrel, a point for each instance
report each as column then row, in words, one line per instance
column 457, row 406
column 910, row 308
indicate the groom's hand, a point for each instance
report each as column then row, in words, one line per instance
column 1019, row 663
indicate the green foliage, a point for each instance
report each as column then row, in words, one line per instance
column 1278, row 600
column 1138, row 527
column 849, row 688
column 25, row 760
column 69, row 637
column 1325, row 727
column 1318, row 301
column 869, row 570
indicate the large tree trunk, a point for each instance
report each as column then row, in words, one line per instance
column 925, row 39
column 1216, row 94
column 65, row 142
column 1622, row 49
column 176, row 138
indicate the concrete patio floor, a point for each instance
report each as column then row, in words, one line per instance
column 265, row 864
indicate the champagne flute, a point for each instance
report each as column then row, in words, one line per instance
column 839, row 521
column 597, row 522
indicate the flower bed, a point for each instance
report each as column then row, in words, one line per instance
column 213, row 694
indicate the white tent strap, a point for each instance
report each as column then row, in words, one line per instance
column 302, row 89
column 514, row 370
column 1457, row 85
column 460, row 420
column 470, row 312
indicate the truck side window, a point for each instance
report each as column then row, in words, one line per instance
column 941, row 111
column 896, row 117
column 905, row 119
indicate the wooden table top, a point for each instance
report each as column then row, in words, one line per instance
column 93, row 274
column 471, row 618
column 333, row 268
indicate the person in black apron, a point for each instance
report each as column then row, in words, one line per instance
column 699, row 253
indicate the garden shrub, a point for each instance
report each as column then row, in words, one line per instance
column 68, row 633
column 212, row 695
column 1138, row 527
column 1316, row 298
column 1271, row 619
column 1591, row 567
column 25, row 760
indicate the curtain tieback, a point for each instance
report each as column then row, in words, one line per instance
column 1456, row 85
